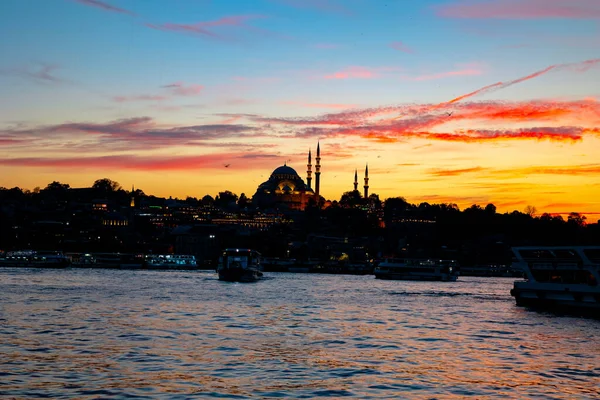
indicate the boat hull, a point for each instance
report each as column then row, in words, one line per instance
column 404, row 277
column 571, row 299
column 239, row 275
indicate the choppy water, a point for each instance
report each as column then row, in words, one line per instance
column 172, row 334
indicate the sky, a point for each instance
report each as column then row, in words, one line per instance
column 447, row 101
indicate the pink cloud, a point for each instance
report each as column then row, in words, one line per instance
column 179, row 89
column 521, row 9
column 105, row 6
column 205, row 28
column 142, row 97
column 447, row 74
column 321, row 5
column 401, row 47
column 354, row 72
column 319, row 105
column 243, row 159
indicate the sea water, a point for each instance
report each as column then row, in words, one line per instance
column 78, row 333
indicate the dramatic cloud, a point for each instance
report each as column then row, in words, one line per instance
column 134, row 133
column 105, row 6
column 208, row 28
column 521, row 9
column 427, row 122
column 401, row 47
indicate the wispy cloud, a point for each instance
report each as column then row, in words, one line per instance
column 212, row 29
column 180, row 89
column 455, row 172
column 40, row 73
column 105, row 6
column 319, row 105
column 331, row 6
column 521, row 9
column 400, row 46
column 174, row 89
column 242, row 159
column 577, row 67
column 359, row 72
column 141, row 97
column 447, row 74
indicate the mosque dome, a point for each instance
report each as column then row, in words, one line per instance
column 284, row 170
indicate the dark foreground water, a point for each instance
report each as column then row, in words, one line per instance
column 170, row 334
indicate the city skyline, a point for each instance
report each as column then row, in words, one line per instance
column 466, row 102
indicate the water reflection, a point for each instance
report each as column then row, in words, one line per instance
column 78, row 333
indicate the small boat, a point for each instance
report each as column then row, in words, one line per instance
column 559, row 278
column 35, row 259
column 417, row 270
column 239, row 265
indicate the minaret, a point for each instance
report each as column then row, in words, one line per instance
column 308, row 171
column 367, row 181
column 132, row 203
column 318, row 172
column 355, row 179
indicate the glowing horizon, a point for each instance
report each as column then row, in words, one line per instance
column 502, row 110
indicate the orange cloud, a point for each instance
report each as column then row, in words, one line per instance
column 454, row 172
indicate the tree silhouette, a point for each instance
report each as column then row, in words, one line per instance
column 106, row 185
column 57, row 186
column 207, row 200
column 530, row 210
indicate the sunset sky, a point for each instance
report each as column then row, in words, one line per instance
column 468, row 102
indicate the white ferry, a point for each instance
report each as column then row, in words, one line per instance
column 170, row 261
column 559, row 278
column 239, row 265
column 35, row 259
column 417, row 270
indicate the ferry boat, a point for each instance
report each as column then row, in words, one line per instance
column 34, row 259
column 239, row 265
column 109, row 261
column 417, row 270
column 559, row 278
column 170, row 261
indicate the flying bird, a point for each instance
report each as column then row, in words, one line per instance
column 227, row 165
column 450, row 113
